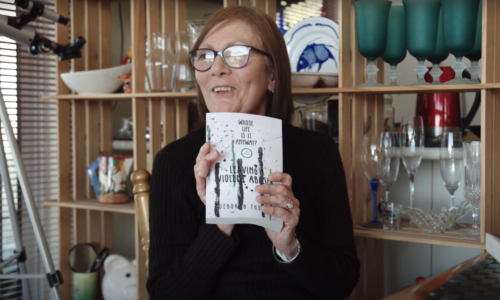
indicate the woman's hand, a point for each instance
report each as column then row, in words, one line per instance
column 281, row 196
column 204, row 161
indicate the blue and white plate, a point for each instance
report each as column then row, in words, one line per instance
column 313, row 46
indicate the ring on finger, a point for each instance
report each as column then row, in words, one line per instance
column 289, row 205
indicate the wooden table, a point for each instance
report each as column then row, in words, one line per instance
column 422, row 289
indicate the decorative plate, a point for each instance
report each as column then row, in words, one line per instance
column 313, row 46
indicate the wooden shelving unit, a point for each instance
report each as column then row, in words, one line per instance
column 84, row 122
column 363, row 108
column 84, row 130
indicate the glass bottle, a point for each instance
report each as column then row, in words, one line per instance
column 161, row 65
column 388, row 113
column 181, row 45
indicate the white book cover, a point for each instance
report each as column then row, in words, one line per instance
column 251, row 148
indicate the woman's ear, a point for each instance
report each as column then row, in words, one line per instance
column 272, row 84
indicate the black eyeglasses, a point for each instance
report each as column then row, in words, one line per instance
column 235, row 57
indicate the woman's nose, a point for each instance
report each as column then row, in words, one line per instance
column 219, row 67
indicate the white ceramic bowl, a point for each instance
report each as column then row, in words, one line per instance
column 330, row 80
column 304, row 80
column 96, row 81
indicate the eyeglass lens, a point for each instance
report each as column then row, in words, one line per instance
column 234, row 57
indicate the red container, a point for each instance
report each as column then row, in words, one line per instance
column 440, row 111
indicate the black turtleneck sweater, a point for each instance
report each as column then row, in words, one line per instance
column 189, row 259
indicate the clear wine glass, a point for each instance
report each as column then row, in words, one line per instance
column 472, row 184
column 393, row 169
column 451, row 161
column 375, row 158
column 412, row 148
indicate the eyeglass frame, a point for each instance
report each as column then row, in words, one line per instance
column 219, row 53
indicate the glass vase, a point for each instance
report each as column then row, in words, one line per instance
column 161, row 65
column 181, row 45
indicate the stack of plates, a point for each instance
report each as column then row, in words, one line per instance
column 313, row 49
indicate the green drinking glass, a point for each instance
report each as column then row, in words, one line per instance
column 422, row 18
column 371, row 27
column 440, row 53
column 459, row 31
column 396, row 47
column 475, row 54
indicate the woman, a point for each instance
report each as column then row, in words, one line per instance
column 242, row 66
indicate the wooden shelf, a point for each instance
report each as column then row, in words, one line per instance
column 299, row 91
column 121, row 96
column 415, row 235
column 93, row 205
column 443, row 88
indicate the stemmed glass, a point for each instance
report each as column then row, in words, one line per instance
column 472, row 187
column 375, row 158
column 393, row 169
column 412, row 148
column 396, row 48
column 451, row 162
column 475, row 54
column 422, row 17
column 459, row 35
column 371, row 27
column 440, row 53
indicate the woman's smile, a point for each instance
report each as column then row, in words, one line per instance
column 223, row 90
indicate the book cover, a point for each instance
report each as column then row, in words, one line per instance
column 250, row 148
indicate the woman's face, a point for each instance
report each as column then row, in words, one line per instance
column 235, row 90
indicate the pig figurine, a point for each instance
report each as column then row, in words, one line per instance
column 120, row 280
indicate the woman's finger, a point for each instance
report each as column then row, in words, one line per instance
column 279, row 200
column 202, row 167
column 274, row 189
column 204, row 150
column 284, row 178
column 290, row 219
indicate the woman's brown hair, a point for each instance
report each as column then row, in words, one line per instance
column 280, row 103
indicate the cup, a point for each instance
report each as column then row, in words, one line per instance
column 84, row 286
column 114, row 173
column 391, row 216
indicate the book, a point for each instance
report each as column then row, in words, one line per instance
column 250, row 148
